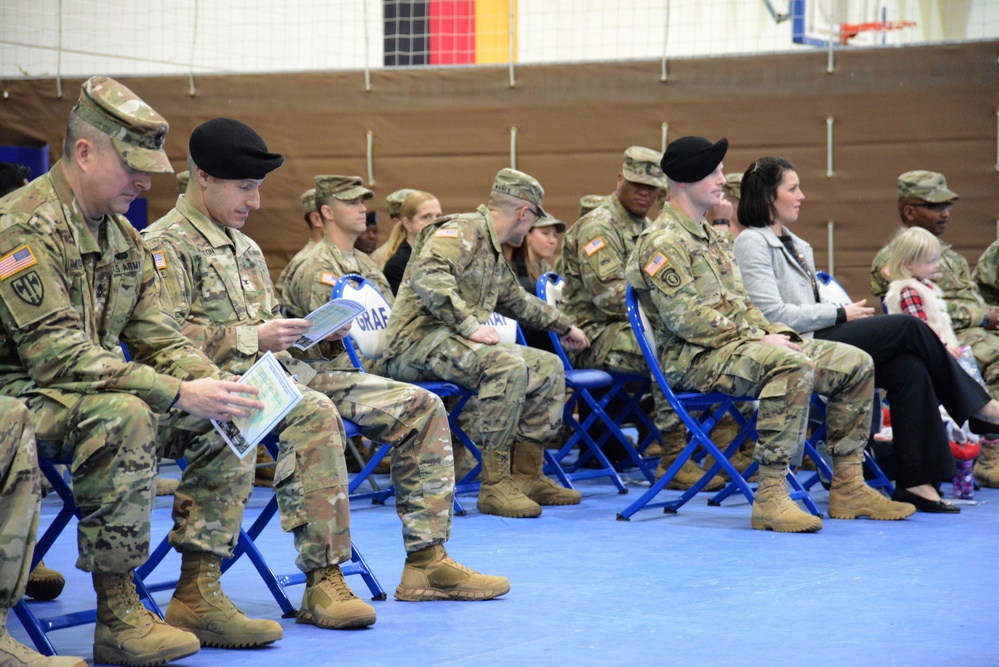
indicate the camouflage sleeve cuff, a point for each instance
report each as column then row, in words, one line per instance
column 246, row 340
column 781, row 328
column 562, row 325
column 468, row 326
column 162, row 396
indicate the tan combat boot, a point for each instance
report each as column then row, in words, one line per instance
column 127, row 633
column 987, row 464
column 498, row 494
column 851, row 497
column 530, row 479
column 430, row 574
column 166, row 486
column 329, row 603
column 773, row 508
column 44, row 583
column 15, row 653
column 200, row 606
column 264, row 474
column 722, row 435
column 674, row 443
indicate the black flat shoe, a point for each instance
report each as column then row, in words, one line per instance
column 924, row 504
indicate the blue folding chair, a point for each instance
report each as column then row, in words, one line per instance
column 699, row 412
column 368, row 335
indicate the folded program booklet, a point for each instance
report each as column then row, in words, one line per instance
column 326, row 319
column 279, row 395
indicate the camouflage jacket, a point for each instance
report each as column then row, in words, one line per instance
column 216, row 285
column 289, row 269
column 455, row 280
column 965, row 304
column 594, row 253
column 689, row 285
column 986, row 274
column 67, row 300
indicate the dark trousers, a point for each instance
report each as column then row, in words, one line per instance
column 917, row 372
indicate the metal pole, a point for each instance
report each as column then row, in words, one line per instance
column 831, row 240
column 513, row 147
column 513, row 37
column 367, row 64
column 829, row 147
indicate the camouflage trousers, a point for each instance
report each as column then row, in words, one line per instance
column 783, row 381
column 413, row 422
column 521, row 390
column 985, row 346
column 19, row 497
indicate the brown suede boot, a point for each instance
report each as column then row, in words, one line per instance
column 127, row 633
column 674, row 443
column 987, row 464
column 773, row 508
column 851, row 497
column 329, row 603
column 44, row 583
column 529, row 478
column 264, row 474
column 498, row 494
column 200, row 606
column 430, row 574
column 15, row 653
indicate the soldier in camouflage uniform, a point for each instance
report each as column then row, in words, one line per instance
column 455, row 280
column 384, row 252
column 20, row 493
column 594, row 253
column 924, row 200
column 220, row 292
column 712, row 338
column 315, row 223
column 75, row 280
column 986, row 274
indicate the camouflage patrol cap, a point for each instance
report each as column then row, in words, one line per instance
column 733, row 185
column 589, row 202
column 929, row 186
column 549, row 222
column 641, row 165
column 308, row 201
column 344, row 188
column 183, row 178
column 520, row 185
column 395, row 200
column 137, row 132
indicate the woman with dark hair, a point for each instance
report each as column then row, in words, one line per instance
column 532, row 259
column 910, row 362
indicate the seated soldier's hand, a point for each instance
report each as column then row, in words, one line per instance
column 217, row 399
column 779, row 340
column 485, row 335
column 575, row 339
column 340, row 333
column 278, row 335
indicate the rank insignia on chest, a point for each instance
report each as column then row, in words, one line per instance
column 657, row 262
column 327, row 278
column 446, row 233
column 593, row 246
column 159, row 260
column 16, row 261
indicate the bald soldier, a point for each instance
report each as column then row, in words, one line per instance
column 924, row 200
column 455, row 280
column 75, row 281
column 594, row 253
column 220, row 292
column 712, row 338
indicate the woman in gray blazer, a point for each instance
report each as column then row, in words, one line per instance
column 910, row 362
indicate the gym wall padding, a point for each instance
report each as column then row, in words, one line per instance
column 447, row 130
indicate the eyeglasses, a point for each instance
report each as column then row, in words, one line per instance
column 536, row 212
column 939, row 208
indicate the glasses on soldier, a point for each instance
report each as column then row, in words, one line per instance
column 939, row 207
column 536, row 212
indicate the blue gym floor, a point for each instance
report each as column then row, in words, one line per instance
column 696, row 588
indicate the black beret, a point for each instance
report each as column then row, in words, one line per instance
column 689, row 159
column 226, row 148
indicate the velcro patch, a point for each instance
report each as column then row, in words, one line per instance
column 657, row 263
column 328, row 278
column 18, row 260
column 159, row 260
column 593, row 246
column 446, row 233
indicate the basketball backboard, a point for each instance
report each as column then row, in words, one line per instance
column 850, row 22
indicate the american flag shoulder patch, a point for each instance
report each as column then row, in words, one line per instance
column 655, row 264
column 446, row 233
column 327, row 278
column 884, row 270
column 18, row 260
column 159, row 260
column 593, row 246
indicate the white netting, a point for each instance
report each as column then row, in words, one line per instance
column 44, row 38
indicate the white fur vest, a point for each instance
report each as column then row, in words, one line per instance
column 933, row 304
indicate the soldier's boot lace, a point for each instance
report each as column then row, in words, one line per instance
column 673, row 444
column 850, row 496
column 987, row 464
column 44, row 583
column 127, row 633
column 200, row 606
column 17, row 654
column 529, row 478
column 431, row 574
column 329, row 603
column 773, row 508
column 498, row 495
